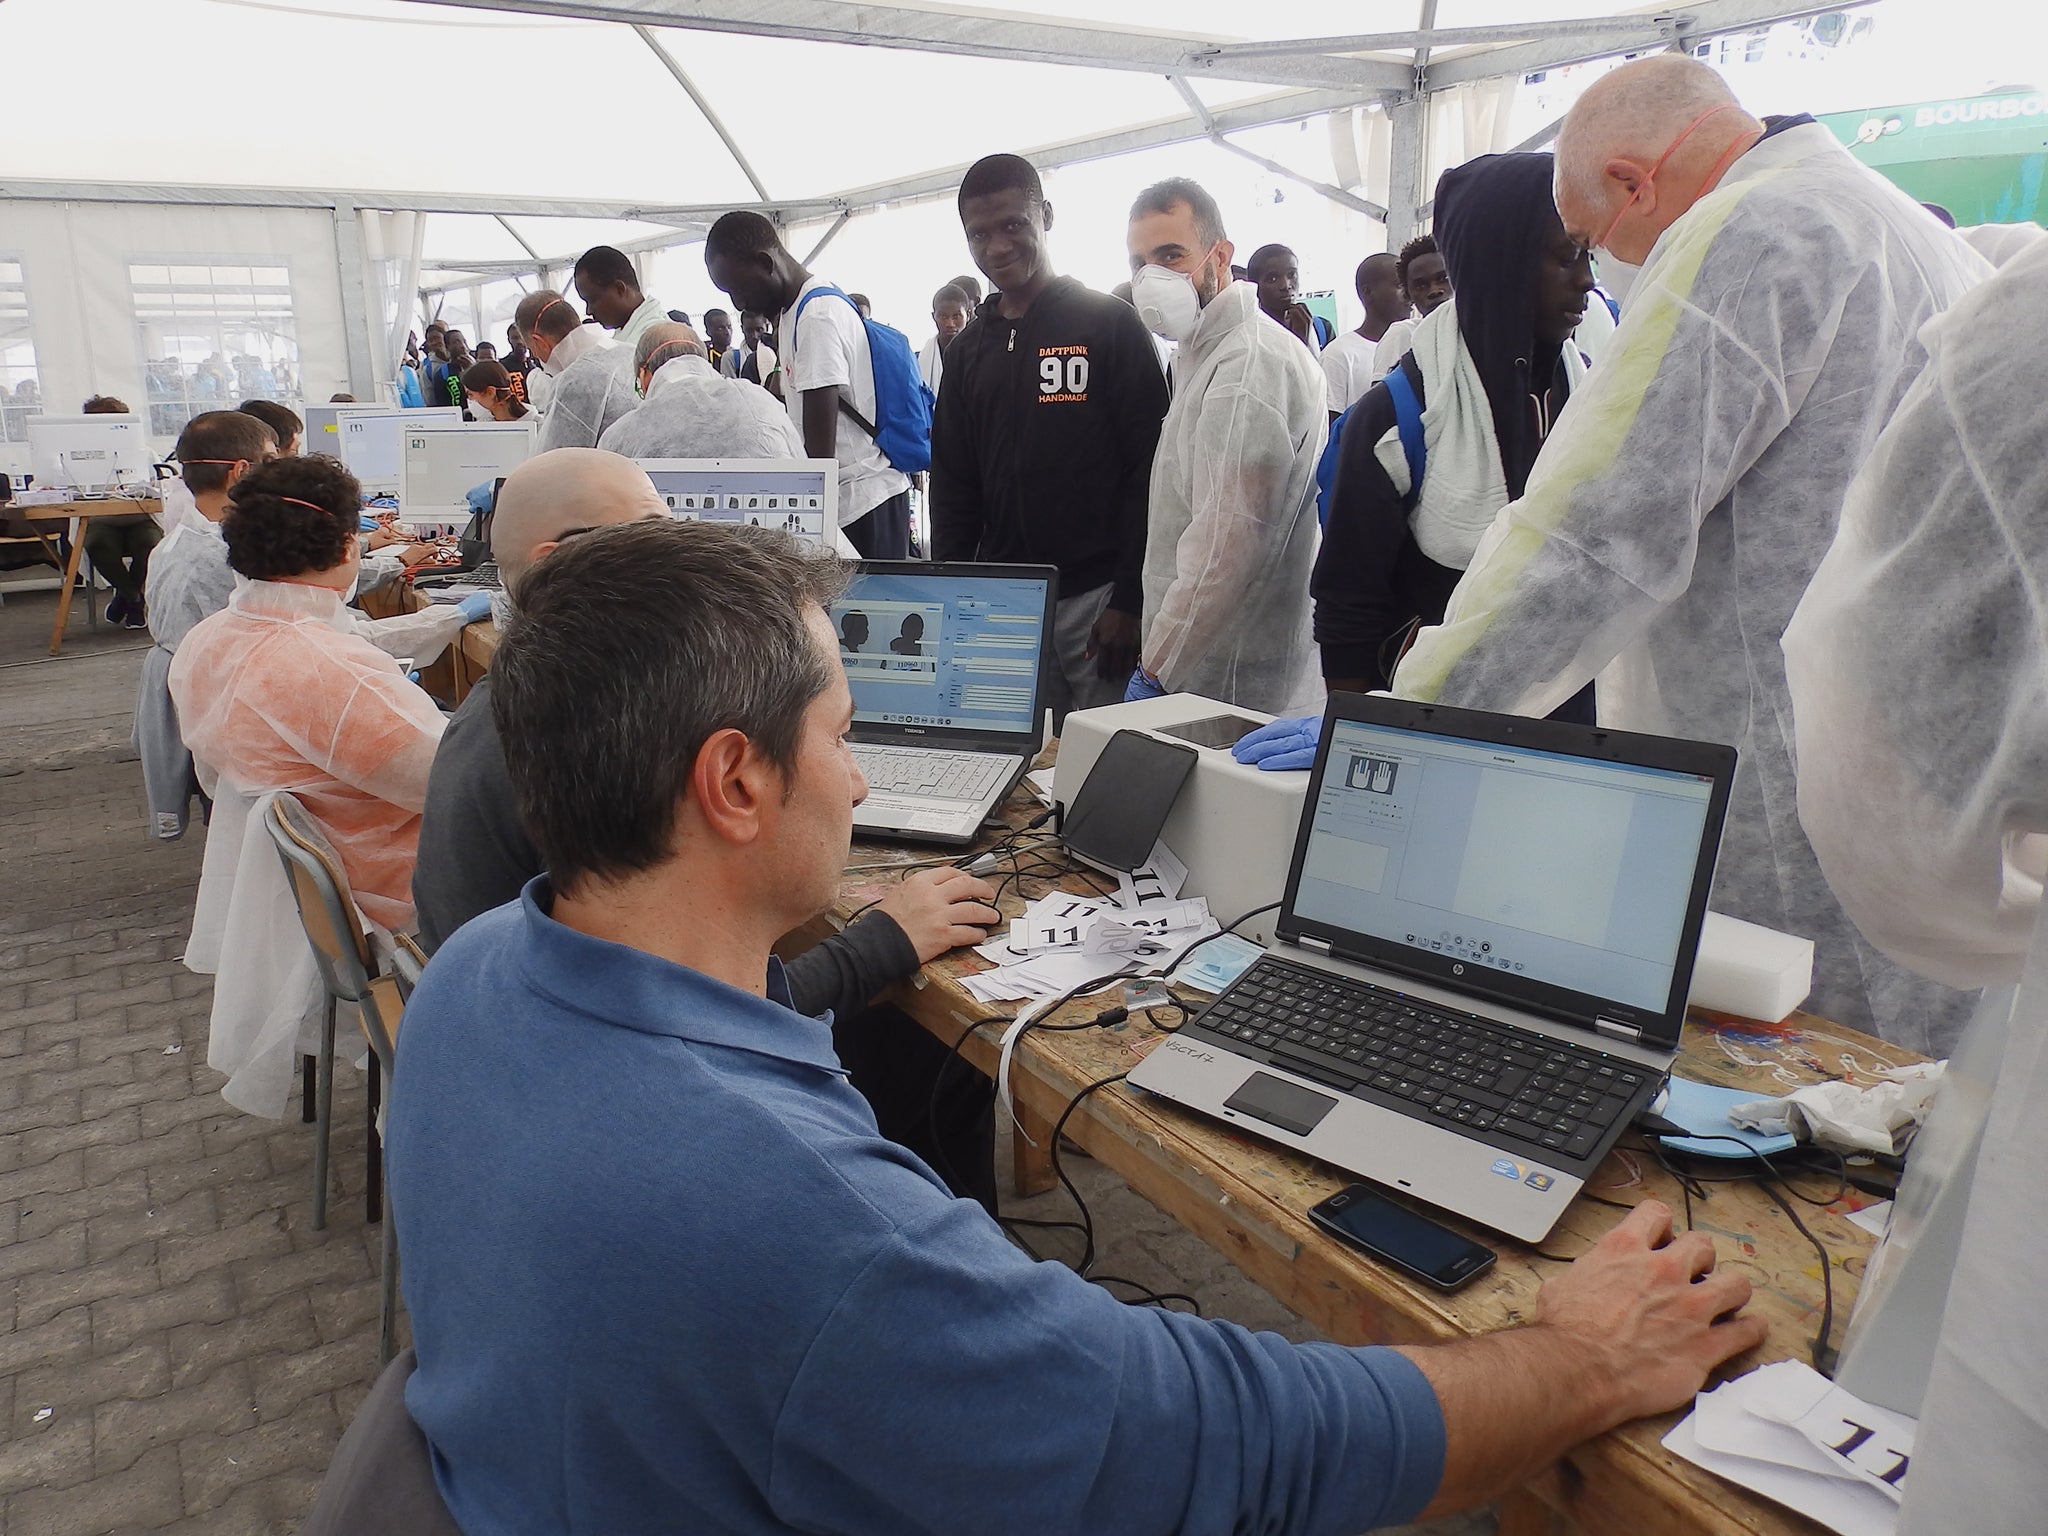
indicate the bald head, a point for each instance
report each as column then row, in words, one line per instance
column 566, row 490
column 664, row 343
column 1617, row 132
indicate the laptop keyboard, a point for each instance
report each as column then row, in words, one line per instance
column 1501, row 1084
column 929, row 774
column 485, row 575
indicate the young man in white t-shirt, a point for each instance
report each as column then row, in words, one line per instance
column 1348, row 362
column 827, row 375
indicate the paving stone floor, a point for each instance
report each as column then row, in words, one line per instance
column 179, row 1349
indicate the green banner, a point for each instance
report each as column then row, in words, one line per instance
column 1984, row 158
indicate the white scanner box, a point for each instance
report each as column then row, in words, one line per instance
column 1233, row 826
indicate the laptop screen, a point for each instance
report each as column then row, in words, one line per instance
column 799, row 496
column 950, row 650
column 366, row 440
column 1572, row 872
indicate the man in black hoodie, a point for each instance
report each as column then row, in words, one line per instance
column 1520, row 287
column 1048, row 414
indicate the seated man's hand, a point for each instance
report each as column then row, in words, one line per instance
column 1650, row 1313
column 941, row 909
column 1281, row 744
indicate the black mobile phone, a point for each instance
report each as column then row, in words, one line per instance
column 1371, row 1223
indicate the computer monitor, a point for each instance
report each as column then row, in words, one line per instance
column 367, row 441
column 90, row 453
column 945, row 648
column 799, row 496
column 439, row 465
column 323, row 423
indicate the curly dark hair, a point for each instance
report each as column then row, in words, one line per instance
column 271, row 531
column 1421, row 245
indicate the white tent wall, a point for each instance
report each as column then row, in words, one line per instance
column 81, row 266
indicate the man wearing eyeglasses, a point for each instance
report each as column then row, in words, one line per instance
column 1684, row 500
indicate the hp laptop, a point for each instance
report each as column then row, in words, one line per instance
column 947, row 666
column 1481, row 963
column 799, row 496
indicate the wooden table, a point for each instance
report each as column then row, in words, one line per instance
column 78, row 514
column 1249, row 1200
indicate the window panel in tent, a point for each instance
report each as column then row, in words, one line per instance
column 20, row 384
column 214, row 335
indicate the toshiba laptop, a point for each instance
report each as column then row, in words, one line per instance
column 798, row 496
column 947, row 667
column 1481, row 963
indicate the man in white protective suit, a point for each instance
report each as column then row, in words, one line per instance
column 590, row 376
column 688, row 410
column 1231, row 533
column 1918, row 669
column 1686, row 495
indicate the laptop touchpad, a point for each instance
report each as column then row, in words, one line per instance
column 1281, row 1103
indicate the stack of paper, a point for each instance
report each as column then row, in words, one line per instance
column 1787, row 1432
column 1065, row 941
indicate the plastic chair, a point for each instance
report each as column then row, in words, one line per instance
column 342, row 953
column 381, row 1481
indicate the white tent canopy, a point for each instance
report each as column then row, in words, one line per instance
column 273, row 179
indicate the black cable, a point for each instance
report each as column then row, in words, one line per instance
column 1060, row 1172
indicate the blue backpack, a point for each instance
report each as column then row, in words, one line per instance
column 1407, row 421
column 902, row 428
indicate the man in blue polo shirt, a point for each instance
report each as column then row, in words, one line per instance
column 665, row 1276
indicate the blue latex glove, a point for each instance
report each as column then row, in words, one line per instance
column 367, row 524
column 1143, row 686
column 474, row 607
column 479, row 496
column 1281, row 744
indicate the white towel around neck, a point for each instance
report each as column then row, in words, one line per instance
column 1463, row 486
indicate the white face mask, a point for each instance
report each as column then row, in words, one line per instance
column 1616, row 276
column 1166, row 301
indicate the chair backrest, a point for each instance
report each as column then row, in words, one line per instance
column 381, row 1481
column 408, row 960
column 327, row 911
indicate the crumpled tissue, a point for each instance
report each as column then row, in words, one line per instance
column 1879, row 1118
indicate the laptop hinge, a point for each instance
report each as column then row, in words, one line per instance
column 1320, row 946
column 1618, row 1030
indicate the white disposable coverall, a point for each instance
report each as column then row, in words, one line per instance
column 692, row 413
column 1232, row 535
column 1684, row 499
column 279, row 692
column 592, row 387
column 1918, row 669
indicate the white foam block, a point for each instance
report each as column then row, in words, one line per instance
column 1749, row 971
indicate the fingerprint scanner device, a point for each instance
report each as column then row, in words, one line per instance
column 1481, row 963
column 798, row 496
column 90, row 453
column 439, row 465
column 947, row 668
column 366, row 440
column 1231, row 825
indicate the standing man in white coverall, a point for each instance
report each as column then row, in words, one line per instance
column 1918, row 670
column 590, row 376
column 1231, row 536
column 1686, row 495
